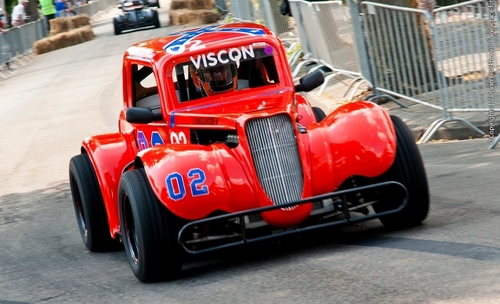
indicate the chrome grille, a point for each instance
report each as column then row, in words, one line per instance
column 276, row 157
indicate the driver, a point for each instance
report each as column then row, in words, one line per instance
column 215, row 80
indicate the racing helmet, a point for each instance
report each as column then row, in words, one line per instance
column 214, row 80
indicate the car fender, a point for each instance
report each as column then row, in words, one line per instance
column 109, row 153
column 304, row 110
column 357, row 138
column 193, row 181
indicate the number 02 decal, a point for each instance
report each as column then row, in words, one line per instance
column 176, row 187
column 178, row 138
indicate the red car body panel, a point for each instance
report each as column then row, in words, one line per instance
column 194, row 181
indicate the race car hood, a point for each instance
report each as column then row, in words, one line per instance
column 225, row 113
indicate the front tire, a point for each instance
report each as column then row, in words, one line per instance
column 149, row 231
column 319, row 114
column 408, row 169
column 89, row 204
column 116, row 27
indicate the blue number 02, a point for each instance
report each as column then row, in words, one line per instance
column 196, row 184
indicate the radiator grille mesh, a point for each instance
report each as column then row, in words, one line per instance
column 276, row 157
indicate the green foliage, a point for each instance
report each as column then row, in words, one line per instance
column 9, row 5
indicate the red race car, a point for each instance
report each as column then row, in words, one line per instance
column 216, row 148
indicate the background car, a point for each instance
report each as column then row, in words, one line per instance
column 153, row 3
column 135, row 15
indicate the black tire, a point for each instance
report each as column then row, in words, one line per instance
column 149, row 231
column 408, row 169
column 89, row 205
column 116, row 27
column 319, row 114
column 156, row 19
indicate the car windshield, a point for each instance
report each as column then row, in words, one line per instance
column 225, row 70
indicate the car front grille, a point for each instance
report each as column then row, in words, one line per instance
column 275, row 155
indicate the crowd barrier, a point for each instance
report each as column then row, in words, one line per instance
column 445, row 59
column 439, row 62
column 242, row 9
column 18, row 42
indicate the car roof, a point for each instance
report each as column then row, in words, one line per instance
column 183, row 42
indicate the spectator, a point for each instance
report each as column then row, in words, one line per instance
column 285, row 8
column 70, row 8
column 2, row 26
column 9, row 19
column 48, row 11
column 60, row 8
column 18, row 13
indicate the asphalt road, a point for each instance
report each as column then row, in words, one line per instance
column 51, row 104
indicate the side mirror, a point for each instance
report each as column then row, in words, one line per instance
column 310, row 82
column 142, row 115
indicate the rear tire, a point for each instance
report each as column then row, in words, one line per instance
column 156, row 19
column 149, row 231
column 89, row 204
column 408, row 169
column 116, row 27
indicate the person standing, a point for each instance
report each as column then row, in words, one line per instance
column 48, row 11
column 60, row 8
column 18, row 13
column 2, row 26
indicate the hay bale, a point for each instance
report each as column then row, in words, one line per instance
column 193, row 17
column 80, row 20
column 66, row 24
column 86, row 32
column 61, row 25
column 178, row 5
column 206, row 17
column 202, row 5
column 192, row 4
column 43, row 46
column 64, row 39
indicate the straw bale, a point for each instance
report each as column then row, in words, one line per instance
column 80, row 20
column 60, row 25
column 192, row 4
column 65, row 39
column 193, row 17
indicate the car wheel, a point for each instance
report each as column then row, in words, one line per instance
column 149, row 231
column 116, row 27
column 408, row 169
column 89, row 205
column 319, row 114
column 156, row 19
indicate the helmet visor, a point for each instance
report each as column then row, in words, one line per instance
column 219, row 78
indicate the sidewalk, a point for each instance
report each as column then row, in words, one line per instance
column 418, row 117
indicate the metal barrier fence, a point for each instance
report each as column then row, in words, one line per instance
column 19, row 41
column 462, row 39
column 95, row 7
column 441, row 63
column 269, row 11
column 304, row 21
column 242, row 9
column 333, row 43
column 439, row 59
column 336, row 41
